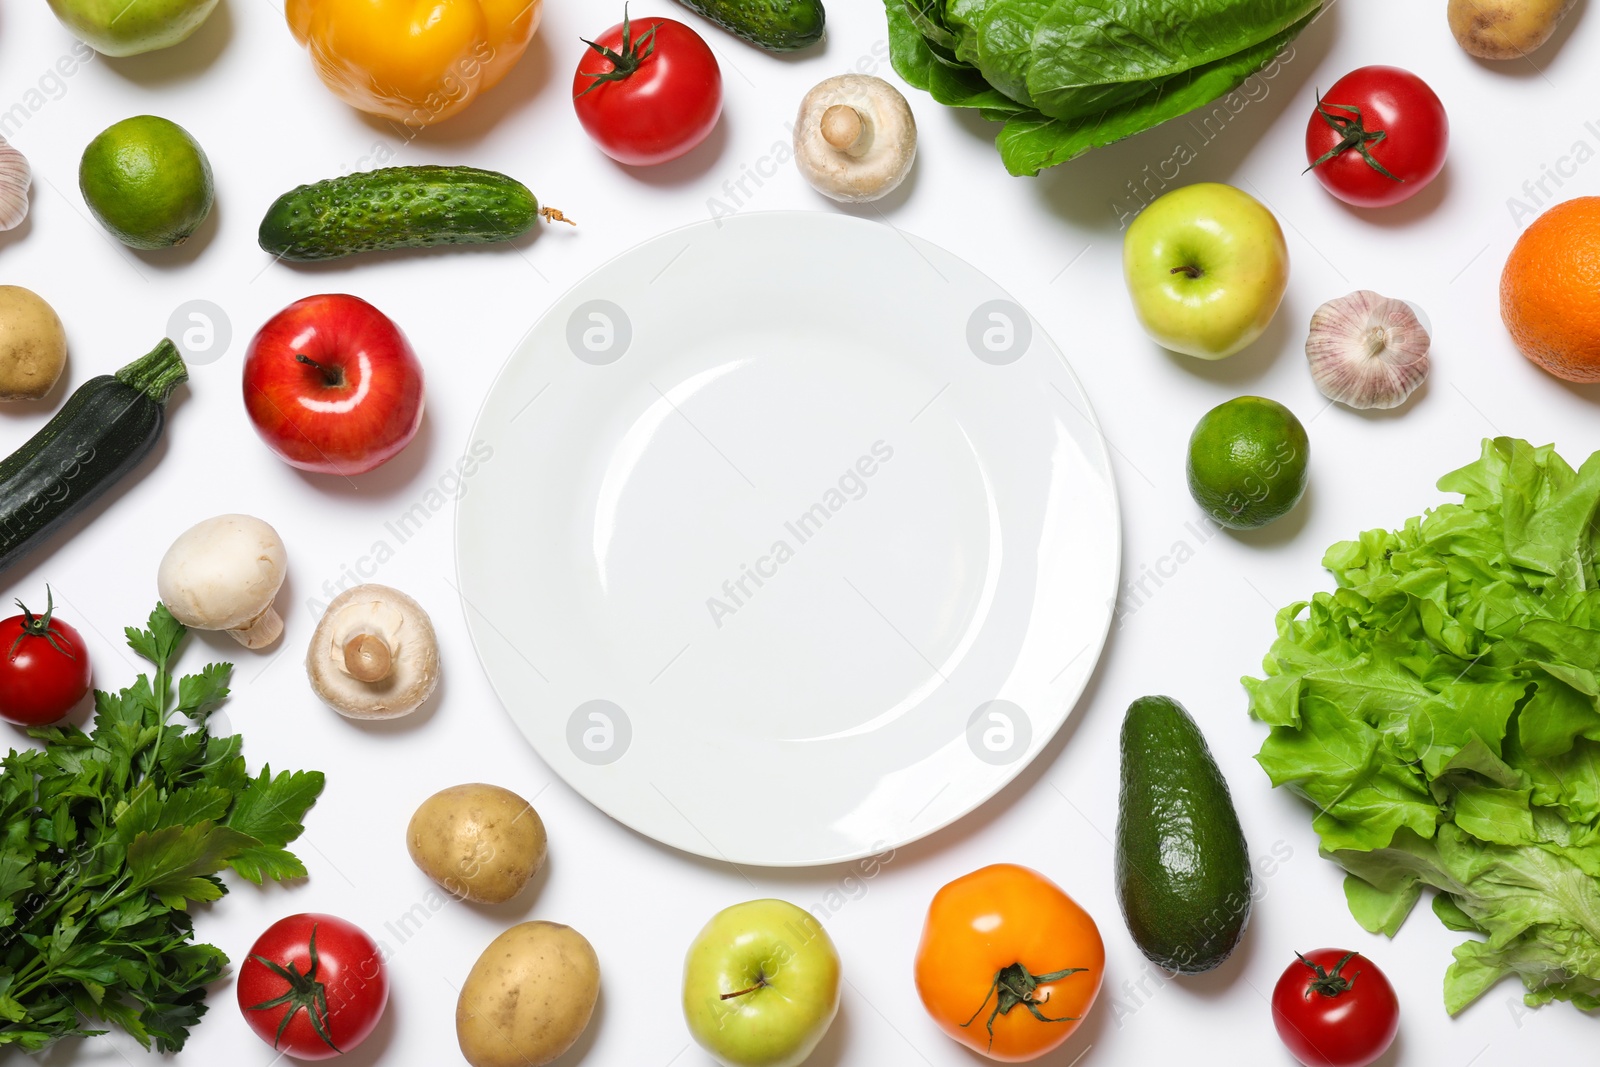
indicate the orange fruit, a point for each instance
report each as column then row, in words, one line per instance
column 1550, row 290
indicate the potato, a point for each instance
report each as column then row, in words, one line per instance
column 480, row 842
column 1505, row 29
column 529, row 996
column 33, row 346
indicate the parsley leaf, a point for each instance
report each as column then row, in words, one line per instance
column 269, row 810
column 107, row 837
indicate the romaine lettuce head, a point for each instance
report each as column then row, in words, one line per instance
column 1439, row 710
column 1077, row 59
column 1071, row 75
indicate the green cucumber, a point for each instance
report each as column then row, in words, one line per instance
column 1182, row 867
column 106, row 427
column 776, row 25
column 398, row 207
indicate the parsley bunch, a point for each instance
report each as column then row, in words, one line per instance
column 105, row 840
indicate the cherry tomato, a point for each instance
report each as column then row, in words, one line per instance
column 1334, row 1008
column 647, row 91
column 1377, row 137
column 1009, row 964
column 313, row 986
column 45, row 671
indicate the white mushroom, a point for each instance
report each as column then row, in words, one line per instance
column 222, row 574
column 374, row 655
column 855, row 138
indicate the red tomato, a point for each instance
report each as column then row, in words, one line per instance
column 46, row 667
column 313, row 986
column 647, row 91
column 1377, row 137
column 1335, row 1008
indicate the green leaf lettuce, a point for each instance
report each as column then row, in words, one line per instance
column 1439, row 709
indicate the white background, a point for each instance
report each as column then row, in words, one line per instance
column 247, row 92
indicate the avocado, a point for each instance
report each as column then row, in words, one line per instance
column 1182, row 865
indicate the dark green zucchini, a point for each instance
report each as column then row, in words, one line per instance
column 101, row 433
column 398, row 207
column 776, row 25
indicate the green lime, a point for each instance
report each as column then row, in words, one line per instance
column 1247, row 462
column 147, row 181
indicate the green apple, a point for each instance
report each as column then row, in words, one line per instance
column 761, row 984
column 1206, row 266
column 128, row 27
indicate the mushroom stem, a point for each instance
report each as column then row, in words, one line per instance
column 854, row 138
column 846, row 129
column 261, row 632
column 368, row 658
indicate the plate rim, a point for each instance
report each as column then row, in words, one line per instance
column 1071, row 699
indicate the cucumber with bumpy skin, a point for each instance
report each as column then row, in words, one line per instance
column 399, row 207
column 776, row 25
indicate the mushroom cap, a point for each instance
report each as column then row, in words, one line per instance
column 402, row 625
column 223, row 573
column 879, row 160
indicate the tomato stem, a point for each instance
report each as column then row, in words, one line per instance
column 1014, row 985
column 1353, row 133
column 39, row 626
column 1329, row 983
column 304, row 993
column 624, row 62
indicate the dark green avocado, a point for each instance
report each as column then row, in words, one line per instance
column 1182, row 866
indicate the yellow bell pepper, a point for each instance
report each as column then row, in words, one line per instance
column 415, row 61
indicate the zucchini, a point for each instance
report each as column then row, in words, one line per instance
column 399, row 207
column 776, row 25
column 100, row 434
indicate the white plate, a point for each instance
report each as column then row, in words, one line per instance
column 798, row 539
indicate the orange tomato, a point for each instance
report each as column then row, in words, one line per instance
column 1009, row 964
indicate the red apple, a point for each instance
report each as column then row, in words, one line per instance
column 332, row 385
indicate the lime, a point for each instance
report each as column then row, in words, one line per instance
column 1247, row 462
column 147, row 182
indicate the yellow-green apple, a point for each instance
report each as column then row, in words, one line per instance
column 1206, row 266
column 129, row 27
column 761, row 984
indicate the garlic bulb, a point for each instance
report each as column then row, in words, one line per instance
column 15, row 178
column 1367, row 350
